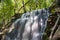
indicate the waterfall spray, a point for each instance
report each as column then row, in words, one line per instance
column 30, row 26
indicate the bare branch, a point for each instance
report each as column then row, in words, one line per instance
column 50, row 38
column 23, row 5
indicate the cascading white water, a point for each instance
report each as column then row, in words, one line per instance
column 30, row 26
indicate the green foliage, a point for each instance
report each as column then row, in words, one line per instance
column 9, row 7
column 6, row 9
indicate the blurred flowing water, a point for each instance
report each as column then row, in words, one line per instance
column 30, row 26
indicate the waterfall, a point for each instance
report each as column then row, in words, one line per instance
column 30, row 26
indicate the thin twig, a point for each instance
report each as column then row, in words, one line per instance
column 50, row 38
column 23, row 5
